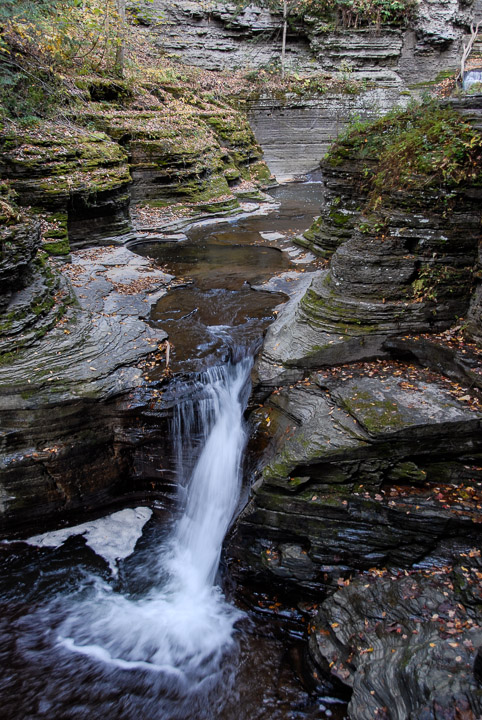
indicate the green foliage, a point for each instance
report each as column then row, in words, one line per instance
column 351, row 13
column 424, row 146
column 433, row 280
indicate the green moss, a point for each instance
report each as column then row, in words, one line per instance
column 424, row 146
column 56, row 236
column 232, row 174
column 339, row 219
column 312, row 231
column 445, row 74
column 260, row 171
column 317, row 307
column 59, row 248
column 8, row 358
column 377, row 416
column 220, row 207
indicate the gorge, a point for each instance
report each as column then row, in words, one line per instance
column 152, row 272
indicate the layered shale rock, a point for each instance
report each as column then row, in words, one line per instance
column 403, row 242
column 244, row 37
column 358, row 464
column 408, row 645
column 295, row 130
column 366, row 465
column 65, row 371
column 382, row 65
column 33, row 296
column 180, row 152
column 74, row 339
column 67, row 171
column 64, row 401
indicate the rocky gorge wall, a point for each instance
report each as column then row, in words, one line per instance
column 366, row 426
column 74, row 337
column 381, row 66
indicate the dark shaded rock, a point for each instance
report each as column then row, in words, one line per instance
column 474, row 317
column 446, row 360
column 478, row 667
column 404, row 643
column 19, row 245
column 352, row 474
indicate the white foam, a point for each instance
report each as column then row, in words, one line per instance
column 113, row 537
column 183, row 626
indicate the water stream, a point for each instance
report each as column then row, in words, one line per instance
column 156, row 639
column 182, row 627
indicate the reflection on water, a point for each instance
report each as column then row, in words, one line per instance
column 213, row 265
column 213, row 322
column 219, row 310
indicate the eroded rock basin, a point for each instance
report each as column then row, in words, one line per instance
column 51, row 594
column 227, row 275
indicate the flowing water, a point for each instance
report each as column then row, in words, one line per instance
column 226, row 265
column 156, row 640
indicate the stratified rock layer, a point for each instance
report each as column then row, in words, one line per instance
column 407, row 645
column 352, row 473
column 63, row 401
column 382, row 65
column 65, row 168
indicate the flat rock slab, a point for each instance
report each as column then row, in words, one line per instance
column 388, row 405
column 288, row 283
column 272, row 235
column 115, row 280
column 113, row 537
column 90, row 356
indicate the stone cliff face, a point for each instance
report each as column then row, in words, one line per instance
column 383, row 66
column 74, row 337
column 367, row 447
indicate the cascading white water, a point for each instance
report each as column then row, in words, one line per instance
column 183, row 626
column 472, row 77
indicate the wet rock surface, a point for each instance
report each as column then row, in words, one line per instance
column 406, row 643
column 178, row 151
column 62, row 399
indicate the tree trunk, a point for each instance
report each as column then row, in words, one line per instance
column 120, row 49
column 283, row 44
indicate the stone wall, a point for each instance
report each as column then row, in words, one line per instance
column 389, row 64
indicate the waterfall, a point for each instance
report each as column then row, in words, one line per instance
column 472, row 77
column 182, row 627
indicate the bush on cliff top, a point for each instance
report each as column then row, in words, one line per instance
column 349, row 13
column 424, row 146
